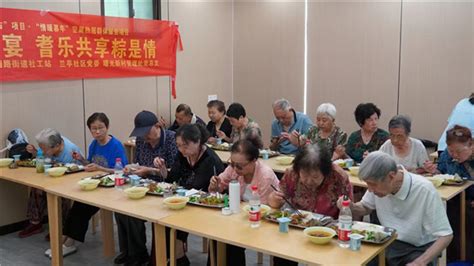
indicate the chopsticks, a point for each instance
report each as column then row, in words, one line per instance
column 291, row 205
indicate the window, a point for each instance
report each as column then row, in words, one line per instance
column 146, row 9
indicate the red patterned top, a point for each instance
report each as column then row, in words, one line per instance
column 320, row 200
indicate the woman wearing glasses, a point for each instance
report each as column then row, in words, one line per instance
column 249, row 171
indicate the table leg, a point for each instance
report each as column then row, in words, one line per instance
column 382, row 258
column 212, row 245
column 173, row 247
column 107, row 228
column 463, row 225
column 160, row 244
column 221, row 254
column 55, row 229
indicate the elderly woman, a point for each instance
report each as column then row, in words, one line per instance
column 286, row 121
column 458, row 158
column 103, row 152
column 408, row 203
column 219, row 126
column 249, row 171
column 407, row 151
column 326, row 134
column 59, row 149
column 369, row 137
column 313, row 184
column 243, row 127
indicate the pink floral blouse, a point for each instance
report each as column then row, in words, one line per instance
column 320, row 200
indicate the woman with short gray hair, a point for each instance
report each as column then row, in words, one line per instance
column 407, row 151
column 325, row 133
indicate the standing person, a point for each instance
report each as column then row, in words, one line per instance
column 286, row 121
column 103, row 151
column 60, row 150
column 369, row 137
column 219, row 126
column 153, row 143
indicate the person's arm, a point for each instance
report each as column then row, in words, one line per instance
column 432, row 252
column 275, row 199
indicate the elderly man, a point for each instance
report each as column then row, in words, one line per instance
column 183, row 116
column 154, row 143
column 286, row 121
column 408, row 203
column 59, row 149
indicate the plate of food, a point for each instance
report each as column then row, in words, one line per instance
column 107, row 181
column 27, row 163
column 307, row 219
column 212, row 200
column 221, row 147
column 71, row 167
column 159, row 188
column 373, row 233
column 451, row 180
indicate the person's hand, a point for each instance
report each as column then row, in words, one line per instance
column 211, row 140
column 77, row 156
column 142, row 171
column 221, row 134
column 339, row 152
column 214, row 184
column 159, row 163
column 162, row 122
column 430, row 167
column 294, row 138
column 415, row 263
column 92, row 167
column 366, row 153
column 31, row 149
column 278, row 196
column 340, row 200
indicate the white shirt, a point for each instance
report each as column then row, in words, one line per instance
column 413, row 160
column 416, row 211
column 463, row 115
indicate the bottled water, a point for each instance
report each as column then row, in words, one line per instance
column 345, row 224
column 254, row 211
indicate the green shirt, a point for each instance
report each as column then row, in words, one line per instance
column 356, row 147
column 337, row 137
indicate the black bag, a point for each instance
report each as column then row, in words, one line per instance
column 20, row 149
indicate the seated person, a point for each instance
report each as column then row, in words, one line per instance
column 458, row 158
column 286, row 121
column 313, row 184
column 152, row 141
column 462, row 115
column 369, row 138
column 103, row 151
column 407, row 151
column 219, row 126
column 325, row 133
column 183, row 116
column 243, row 127
column 249, row 171
column 194, row 166
column 408, row 203
column 59, row 149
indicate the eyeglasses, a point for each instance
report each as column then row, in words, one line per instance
column 239, row 166
column 97, row 129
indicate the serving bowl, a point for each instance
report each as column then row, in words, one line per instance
column 88, row 184
column 176, row 202
column 136, row 192
column 319, row 235
column 56, row 171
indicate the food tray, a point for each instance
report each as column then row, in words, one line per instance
column 194, row 199
column 311, row 219
column 373, row 233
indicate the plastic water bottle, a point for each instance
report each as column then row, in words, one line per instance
column 254, row 211
column 345, row 224
column 118, row 174
column 39, row 161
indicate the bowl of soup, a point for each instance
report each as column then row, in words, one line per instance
column 56, row 171
column 136, row 192
column 319, row 235
column 176, row 202
column 89, row 184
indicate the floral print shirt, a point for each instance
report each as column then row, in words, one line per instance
column 320, row 200
column 251, row 131
column 337, row 137
column 356, row 147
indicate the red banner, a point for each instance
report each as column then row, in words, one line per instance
column 39, row 45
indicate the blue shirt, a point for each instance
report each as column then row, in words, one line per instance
column 301, row 123
column 105, row 155
column 66, row 154
column 446, row 165
column 463, row 115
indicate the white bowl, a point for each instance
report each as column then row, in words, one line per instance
column 56, row 171
column 4, row 162
column 89, row 184
column 284, row 160
column 354, row 170
column 176, row 202
column 264, row 209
